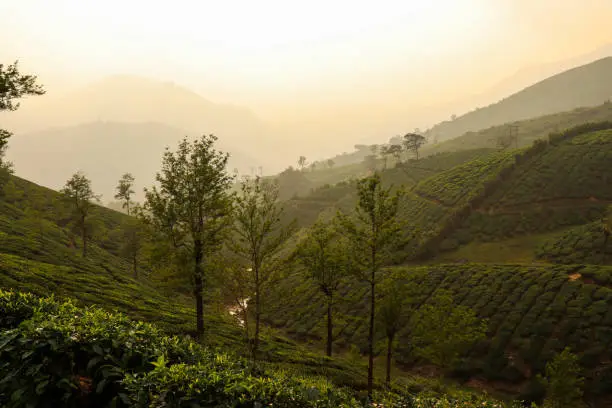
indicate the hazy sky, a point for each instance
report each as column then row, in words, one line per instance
column 277, row 55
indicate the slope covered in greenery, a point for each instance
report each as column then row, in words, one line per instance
column 532, row 313
column 39, row 253
column 305, row 208
column 582, row 244
column 529, row 130
column 587, row 85
column 88, row 357
column 566, row 183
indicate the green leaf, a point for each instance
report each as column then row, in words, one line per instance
column 40, row 388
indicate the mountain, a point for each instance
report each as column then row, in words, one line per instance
column 104, row 151
column 133, row 99
column 587, row 85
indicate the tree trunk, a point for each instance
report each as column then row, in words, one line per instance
column 257, row 310
column 371, row 340
column 198, row 288
column 329, row 325
column 84, row 236
column 135, row 266
column 389, row 351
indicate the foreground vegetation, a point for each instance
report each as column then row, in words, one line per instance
column 87, row 357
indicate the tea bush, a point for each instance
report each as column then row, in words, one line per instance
column 58, row 354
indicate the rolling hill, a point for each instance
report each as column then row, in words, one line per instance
column 587, row 85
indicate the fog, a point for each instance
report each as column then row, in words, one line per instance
column 276, row 79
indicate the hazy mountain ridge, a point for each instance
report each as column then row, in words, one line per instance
column 104, row 151
column 587, row 85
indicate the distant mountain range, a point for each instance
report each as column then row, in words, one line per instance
column 104, row 151
column 587, row 85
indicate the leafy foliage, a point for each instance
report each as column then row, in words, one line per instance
column 14, row 86
column 79, row 194
column 532, row 313
column 87, row 357
column 564, row 382
column 324, row 256
column 191, row 206
column 441, row 331
column 124, row 191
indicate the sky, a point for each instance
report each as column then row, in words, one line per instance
column 275, row 55
column 351, row 68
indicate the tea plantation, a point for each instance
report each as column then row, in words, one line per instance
column 566, row 183
column 532, row 313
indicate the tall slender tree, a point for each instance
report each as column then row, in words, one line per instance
column 606, row 229
column 259, row 236
column 373, row 231
column 392, row 317
column 125, row 191
column 302, row 162
column 191, row 206
column 133, row 237
column 79, row 194
column 324, row 256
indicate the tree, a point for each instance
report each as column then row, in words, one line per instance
column 133, row 235
column 413, row 142
column 302, row 162
column 124, row 190
column 372, row 231
column 259, row 236
column 391, row 317
column 323, row 255
column 606, row 228
column 13, row 86
column 395, row 151
column 191, row 207
column 563, row 381
column 330, row 163
column 442, row 330
column 236, row 282
column 79, row 194
column 384, row 154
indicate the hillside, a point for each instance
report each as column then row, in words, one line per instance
column 39, row 254
column 532, row 313
column 529, row 130
column 104, row 151
column 587, row 85
column 506, row 209
column 567, row 183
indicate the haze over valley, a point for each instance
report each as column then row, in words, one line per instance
column 316, row 205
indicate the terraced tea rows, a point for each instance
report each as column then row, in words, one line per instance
column 532, row 313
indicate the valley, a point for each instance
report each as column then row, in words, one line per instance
column 465, row 265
